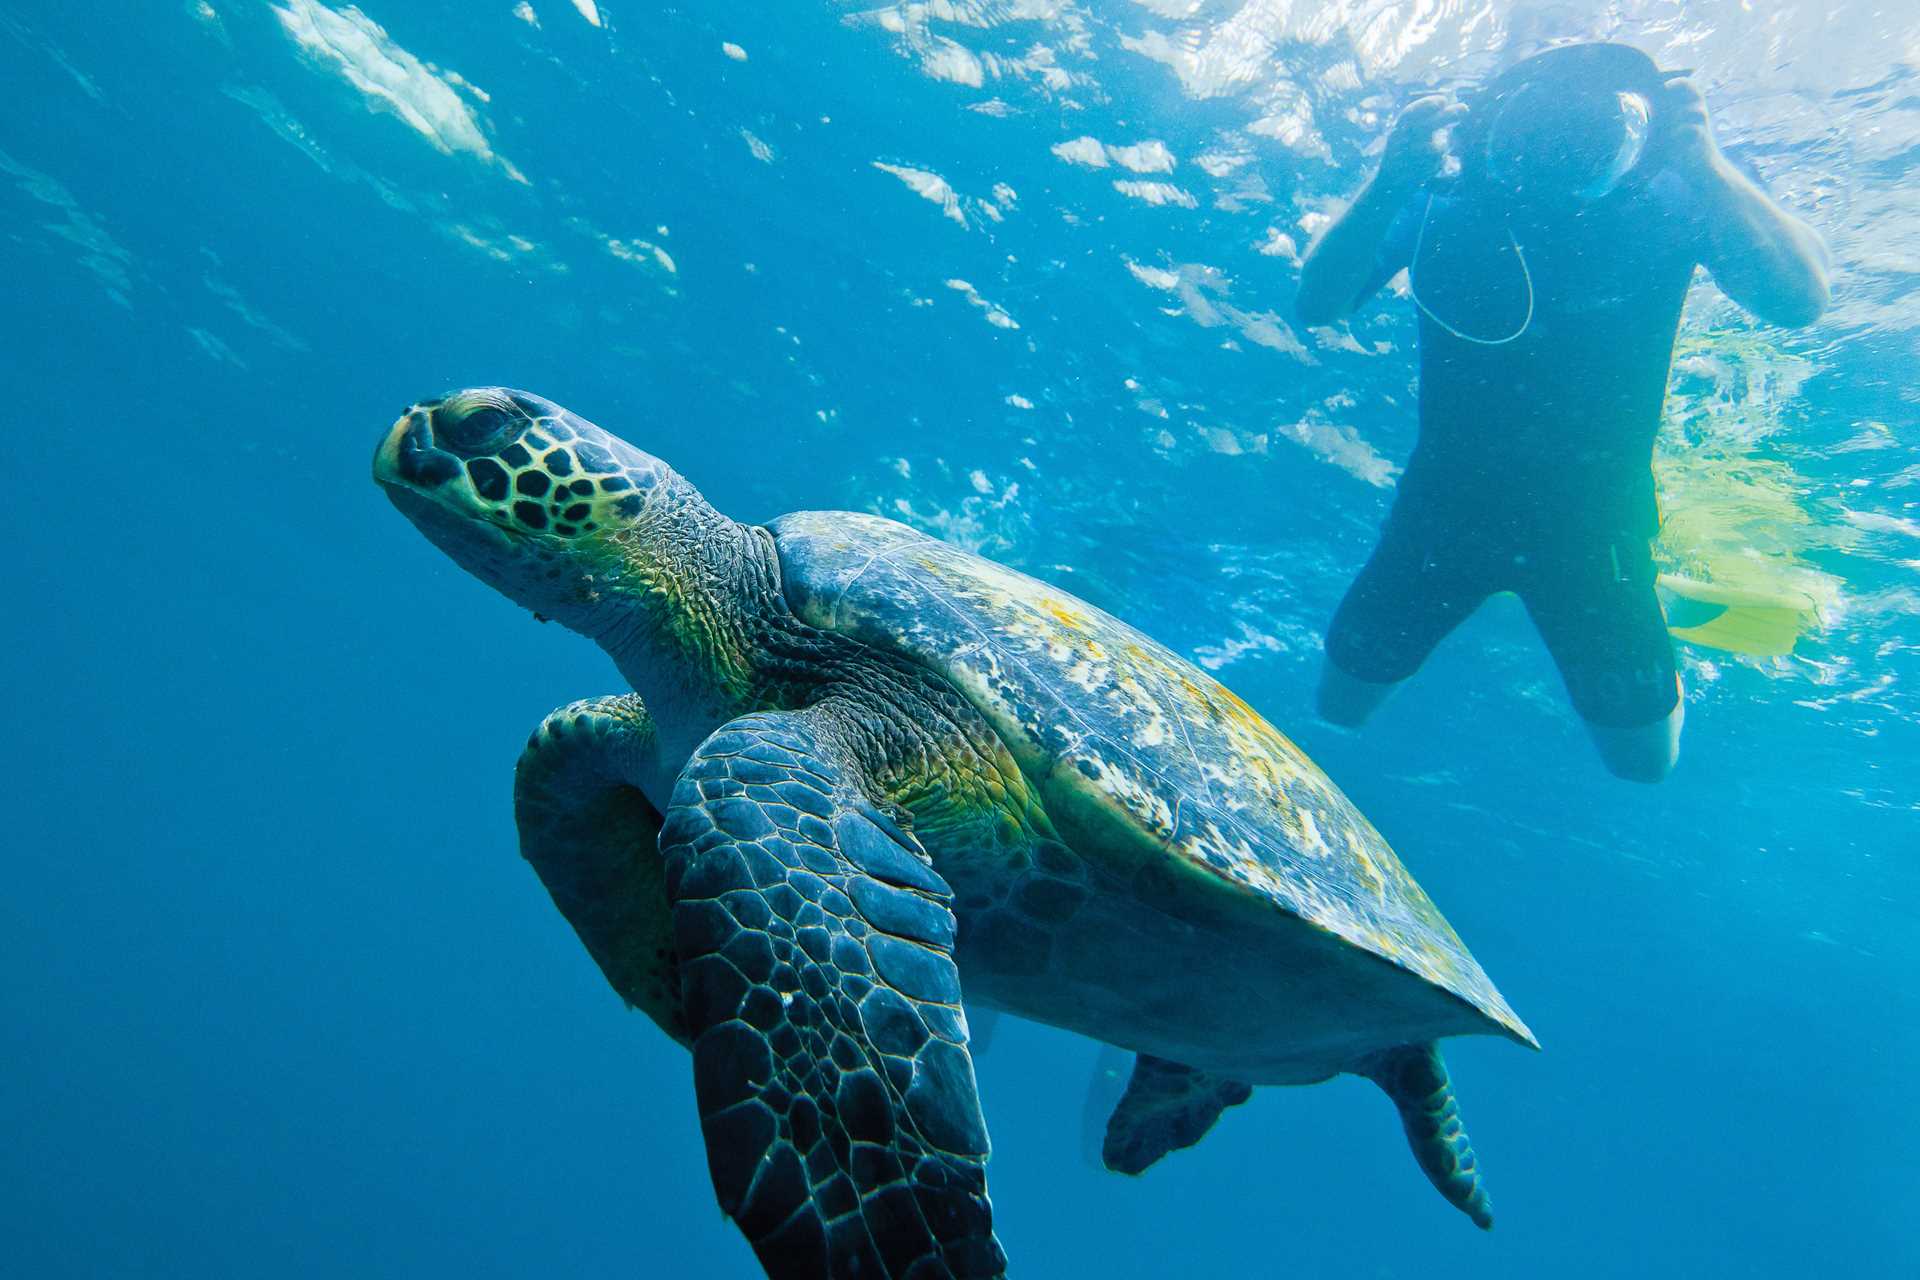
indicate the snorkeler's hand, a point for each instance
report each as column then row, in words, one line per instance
column 1417, row 145
column 1689, row 132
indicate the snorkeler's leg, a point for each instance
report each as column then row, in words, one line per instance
column 1347, row 700
column 1644, row 753
column 1601, row 621
column 1408, row 597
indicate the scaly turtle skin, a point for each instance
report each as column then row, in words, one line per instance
column 859, row 766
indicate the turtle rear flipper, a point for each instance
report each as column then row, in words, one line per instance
column 1415, row 1077
column 1167, row 1107
column 836, row 1093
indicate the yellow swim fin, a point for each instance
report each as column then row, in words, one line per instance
column 1761, row 624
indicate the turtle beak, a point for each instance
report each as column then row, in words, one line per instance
column 427, row 485
column 407, row 456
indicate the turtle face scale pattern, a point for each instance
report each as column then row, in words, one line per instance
column 521, row 493
column 533, row 466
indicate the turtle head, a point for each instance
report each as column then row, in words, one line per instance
column 540, row 504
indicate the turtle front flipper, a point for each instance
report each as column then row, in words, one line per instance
column 1415, row 1077
column 593, row 839
column 830, row 1060
column 1167, row 1107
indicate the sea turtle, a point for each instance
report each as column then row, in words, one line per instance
column 862, row 769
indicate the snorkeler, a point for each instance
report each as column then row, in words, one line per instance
column 1549, row 274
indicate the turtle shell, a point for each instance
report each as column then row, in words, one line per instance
column 1121, row 733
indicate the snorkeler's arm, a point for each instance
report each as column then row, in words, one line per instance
column 1764, row 258
column 1343, row 261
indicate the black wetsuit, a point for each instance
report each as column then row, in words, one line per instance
column 1533, row 471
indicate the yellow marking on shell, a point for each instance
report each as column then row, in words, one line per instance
column 1257, row 768
column 1251, row 767
column 1369, row 870
column 1064, row 614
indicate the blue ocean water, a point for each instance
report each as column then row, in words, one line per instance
column 283, row 1000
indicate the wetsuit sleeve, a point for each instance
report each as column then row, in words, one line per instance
column 1395, row 252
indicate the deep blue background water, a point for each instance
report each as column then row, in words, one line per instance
column 282, row 999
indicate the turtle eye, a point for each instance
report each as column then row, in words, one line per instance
column 483, row 430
